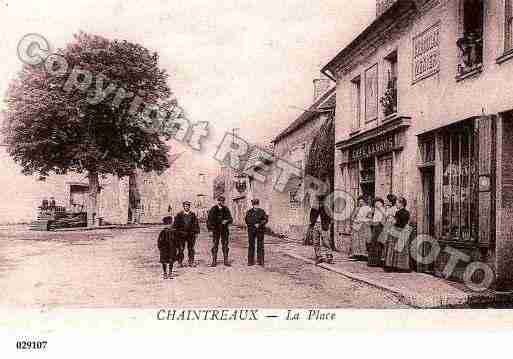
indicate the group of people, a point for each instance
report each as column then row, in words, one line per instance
column 378, row 231
column 182, row 233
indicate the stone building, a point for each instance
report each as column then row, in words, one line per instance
column 426, row 89
column 24, row 194
column 239, row 187
column 288, row 210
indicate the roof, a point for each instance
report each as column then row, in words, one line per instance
column 387, row 18
column 325, row 103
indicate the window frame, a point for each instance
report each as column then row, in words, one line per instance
column 356, row 99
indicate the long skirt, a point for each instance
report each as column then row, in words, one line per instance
column 322, row 246
column 397, row 254
column 375, row 248
column 359, row 241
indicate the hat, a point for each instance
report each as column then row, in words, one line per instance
column 221, row 198
column 255, row 201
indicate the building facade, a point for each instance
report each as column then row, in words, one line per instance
column 428, row 116
column 26, row 193
column 239, row 187
column 288, row 210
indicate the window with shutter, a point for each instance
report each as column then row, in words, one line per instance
column 508, row 26
column 486, row 165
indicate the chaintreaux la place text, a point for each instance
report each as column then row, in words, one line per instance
column 207, row 314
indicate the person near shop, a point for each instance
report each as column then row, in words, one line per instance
column 397, row 252
column 168, row 246
column 361, row 232
column 375, row 247
column 256, row 219
column 321, row 243
column 218, row 222
column 186, row 226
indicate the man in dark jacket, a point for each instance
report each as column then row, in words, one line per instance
column 256, row 219
column 219, row 219
column 187, row 227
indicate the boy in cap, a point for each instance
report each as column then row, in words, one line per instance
column 168, row 246
column 256, row 219
column 187, row 227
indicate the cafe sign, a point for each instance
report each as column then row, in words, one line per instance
column 374, row 148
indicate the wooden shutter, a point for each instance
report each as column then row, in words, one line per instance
column 485, row 163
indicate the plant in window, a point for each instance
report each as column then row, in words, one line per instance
column 470, row 46
column 389, row 98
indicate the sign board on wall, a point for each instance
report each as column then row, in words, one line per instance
column 383, row 5
column 374, row 148
column 371, row 93
column 426, row 53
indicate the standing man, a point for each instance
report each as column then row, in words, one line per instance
column 219, row 219
column 256, row 219
column 186, row 227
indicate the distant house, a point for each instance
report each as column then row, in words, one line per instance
column 239, row 187
column 22, row 195
column 289, row 212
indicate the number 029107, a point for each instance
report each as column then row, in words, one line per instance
column 31, row 344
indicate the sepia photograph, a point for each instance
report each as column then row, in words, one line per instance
column 255, row 161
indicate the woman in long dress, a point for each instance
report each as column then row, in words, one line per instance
column 397, row 253
column 375, row 247
column 361, row 234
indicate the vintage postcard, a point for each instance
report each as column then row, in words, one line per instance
column 237, row 165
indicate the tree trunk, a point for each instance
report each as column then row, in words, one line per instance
column 134, row 198
column 92, row 203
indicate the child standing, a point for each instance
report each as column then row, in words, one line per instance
column 168, row 248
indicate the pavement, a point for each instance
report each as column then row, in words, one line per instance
column 418, row 290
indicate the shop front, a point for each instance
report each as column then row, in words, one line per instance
column 457, row 166
column 371, row 161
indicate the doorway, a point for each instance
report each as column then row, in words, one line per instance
column 428, row 188
column 368, row 178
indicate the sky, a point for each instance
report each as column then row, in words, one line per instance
column 242, row 64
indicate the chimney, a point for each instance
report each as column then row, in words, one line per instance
column 321, row 85
column 383, row 5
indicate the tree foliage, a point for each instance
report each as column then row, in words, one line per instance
column 51, row 130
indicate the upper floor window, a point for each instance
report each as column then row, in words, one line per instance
column 371, row 93
column 356, row 89
column 508, row 27
column 389, row 98
column 470, row 43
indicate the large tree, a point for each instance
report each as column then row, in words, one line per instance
column 55, row 125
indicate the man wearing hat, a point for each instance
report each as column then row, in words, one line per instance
column 256, row 219
column 218, row 222
column 186, row 227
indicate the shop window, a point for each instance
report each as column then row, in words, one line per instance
column 459, row 200
column 508, row 26
column 427, row 151
column 470, row 43
column 357, row 102
column 389, row 99
column 384, row 177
